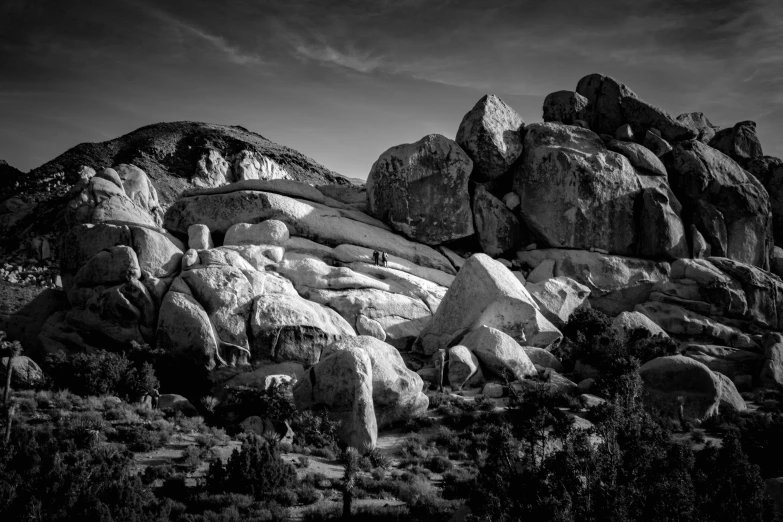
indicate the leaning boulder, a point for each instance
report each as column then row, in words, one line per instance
column 558, row 298
column 629, row 321
column 490, row 134
column 342, row 383
column 699, row 123
column 740, row 142
column 486, row 293
column 497, row 227
column 184, row 330
column 772, row 367
column 723, row 359
column 421, row 190
column 25, row 373
column 464, row 369
column 499, row 353
column 396, row 390
column 565, row 107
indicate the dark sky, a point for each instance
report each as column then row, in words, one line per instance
column 344, row 81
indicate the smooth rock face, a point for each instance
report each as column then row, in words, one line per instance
column 421, row 190
column 307, row 220
column 184, row 329
column 667, row 378
column 544, row 358
column 490, row 134
column 497, row 227
column 564, row 107
column 662, row 233
column 699, row 123
column 557, row 298
column 772, row 368
column 199, row 237
column 343, row 383
column 140, row 190
column 543, row 271
column 576, row 194
column 486, row 293
column 612, row 104
column 498, row 352
column 700, row 173
column 640, row 157
column 159, row 255
column 269, row 232
column 740, row 142
column 730, row 398
column 769, row 170
column 728, row 361
column 464, row 369
column 656, row 144
column 396, row 390
column 629, row 321
column 289, row 328
column 616, row 283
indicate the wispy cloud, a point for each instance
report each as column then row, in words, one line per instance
column 232, row 53
column 358, row 61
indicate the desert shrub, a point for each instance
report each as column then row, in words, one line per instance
column 153, row 473
column 439, row 464
column 303, row 461
column 324, row 453
column 378, row 459
column 47, row 474
column 243, row 402
column 257, row 469
column 101, row 373
column 314, row 428
column 308, row 494
column 191, row 458
column 141, row 437
column 586, row 324
column 458, row 483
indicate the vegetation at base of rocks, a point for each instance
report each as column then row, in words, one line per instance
column 255, row 470
column 101, row 373
column 588, row 339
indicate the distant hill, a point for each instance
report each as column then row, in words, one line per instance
column 167, row 152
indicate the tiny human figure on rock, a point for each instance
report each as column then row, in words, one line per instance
column 384, row 259
column 375, row 256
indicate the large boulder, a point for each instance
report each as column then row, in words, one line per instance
column 669, row 380
column 140, row 190
column 616, row 283
column 699, row 123
column 565, row 107
column 740, row 142
column 499, row 353
column 184, row 330
column 629, row 321
column 464, row 368
column 769, row 170
column 739, row 203
column 269, row 232
column 497, row 227
column 421, row 190
column 396, row 391
column 612, row 104
column 642, row 158
column 575, row 193
column 289, row 328
column 342, row 383
column 486, row 293
column 304, row 219
column 772, row 368
column 27, row 322
column 558, row 297
column 25, row 373
column 490, row 134
column 159, row 254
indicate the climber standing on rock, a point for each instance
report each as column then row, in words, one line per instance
column 384, row 259
column 375, row 256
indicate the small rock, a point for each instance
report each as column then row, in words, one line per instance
column 493, row 390
column 624, row 133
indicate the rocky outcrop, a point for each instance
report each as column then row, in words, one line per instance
column 616, row 283
column 309, row 220
column 396, row 390
column 25, row 373
column 269, row 232
column 421, row 190
column 491, row 135
column 769, row 171
column 498, row 353
column 728, row 361
column 486, row 293
column 342, row 382
column 629, row 321
column 576, row 194
column 184, row 330
column 289, row 328
column 497, row 227
column 772, row 368
column 740, row 142
column 699, row 123
column 642, row 158
column 611, row 104
column 566, row 107
column 709, row 183
column 558, row 298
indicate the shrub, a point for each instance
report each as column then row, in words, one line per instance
column 304, row 462
column 308, row 494
column 439, row 464
column 141, row 438
column 256, row 470
column 314, row 428
column 101, row 373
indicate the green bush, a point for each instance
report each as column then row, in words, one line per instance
column 257, row 469
column 314, row 428
column 439, row 464
column 101, row 373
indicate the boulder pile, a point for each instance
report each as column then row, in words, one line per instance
column 491, row 241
